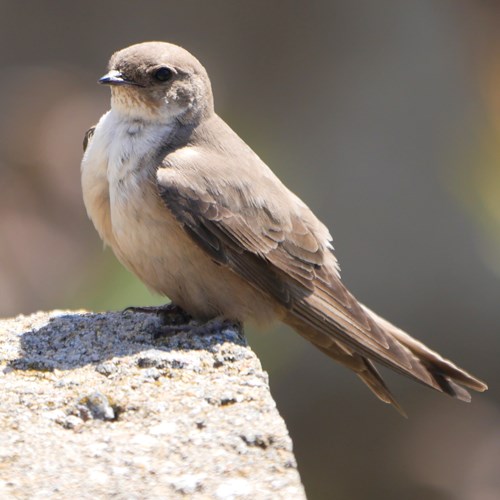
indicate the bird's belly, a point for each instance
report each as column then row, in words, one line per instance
column 151, row 243
column 119, row 184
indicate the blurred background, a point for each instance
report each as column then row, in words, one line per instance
column 383, row 116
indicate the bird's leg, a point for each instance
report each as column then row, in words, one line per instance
column 170, row 314
column 216, row 324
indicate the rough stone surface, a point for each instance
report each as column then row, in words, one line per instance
column 91, row 406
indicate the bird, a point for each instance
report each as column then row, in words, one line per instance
column 190, row 209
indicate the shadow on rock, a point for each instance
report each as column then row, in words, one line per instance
column 74, row 340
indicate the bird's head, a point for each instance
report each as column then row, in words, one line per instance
column 158, row 81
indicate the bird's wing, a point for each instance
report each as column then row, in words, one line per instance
column 285, row 253
column 88, row 137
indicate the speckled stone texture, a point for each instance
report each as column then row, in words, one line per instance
column 92, row 406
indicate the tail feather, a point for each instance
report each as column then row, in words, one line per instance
column 439, row 367
column 422, row 364
column 367, row 372
column 451, row 388
column 371, row 377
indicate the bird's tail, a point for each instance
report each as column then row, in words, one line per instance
column 449, row 377
column 427, row 367
column 367, row 372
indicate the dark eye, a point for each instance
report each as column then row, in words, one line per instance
column 163, row 74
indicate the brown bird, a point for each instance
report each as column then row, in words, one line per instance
column 190, row 209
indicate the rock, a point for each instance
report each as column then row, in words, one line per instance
column 92, row 406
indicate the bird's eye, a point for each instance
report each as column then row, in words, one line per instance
column 163, row 74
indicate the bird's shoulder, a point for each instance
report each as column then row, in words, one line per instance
column 88, row 137
column 235, row 208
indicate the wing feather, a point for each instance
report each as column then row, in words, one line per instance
column 286, row 256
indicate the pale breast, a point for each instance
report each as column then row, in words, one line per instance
column 114, row 179
column 120, row 194
column 95, row 186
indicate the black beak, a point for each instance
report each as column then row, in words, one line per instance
column 116, row 78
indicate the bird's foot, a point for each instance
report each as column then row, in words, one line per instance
column 170, row 314
column 197, row 328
